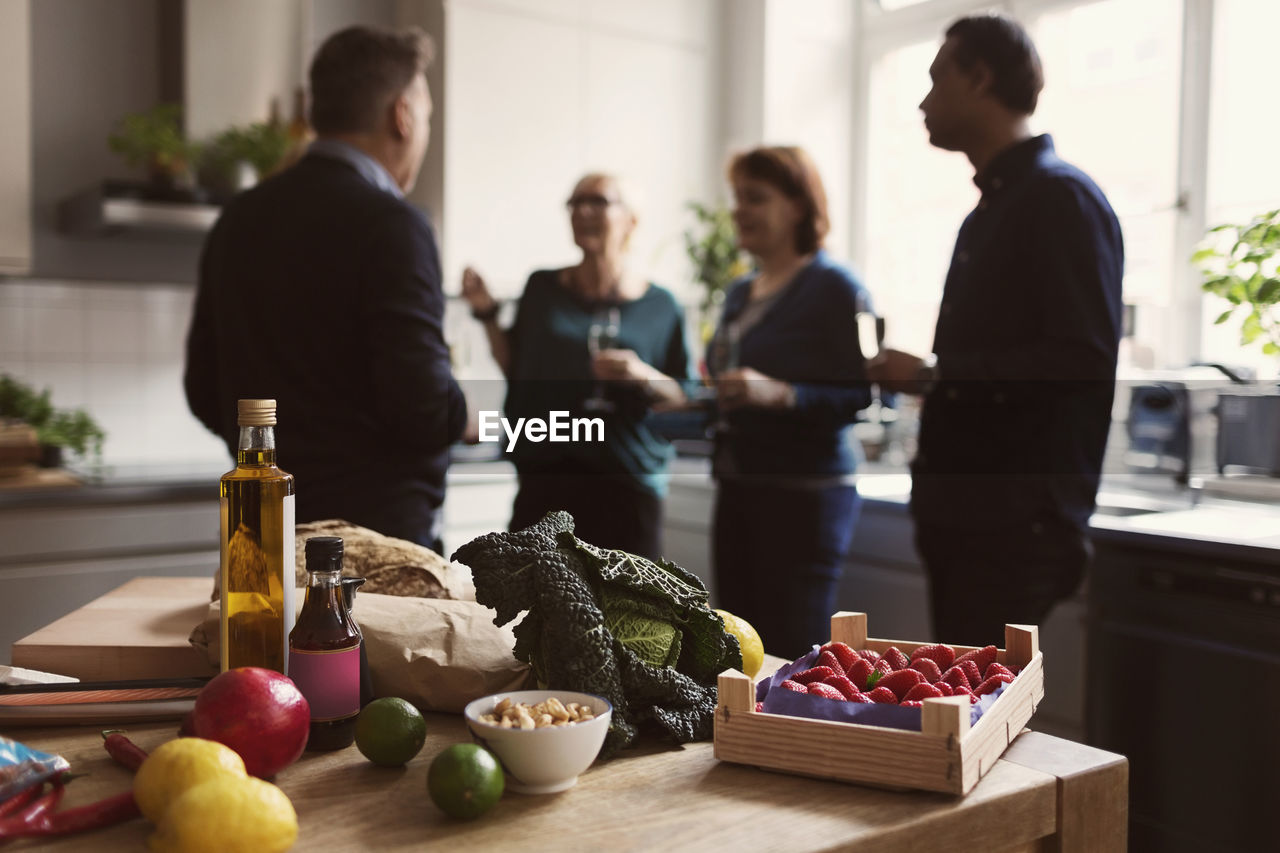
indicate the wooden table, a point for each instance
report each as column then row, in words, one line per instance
column 1046, row 794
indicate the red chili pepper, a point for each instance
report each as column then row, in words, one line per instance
column 18, row 825
column 123, row 750
column 103, row 813
column 20, row 800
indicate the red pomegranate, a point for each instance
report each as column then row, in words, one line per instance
column 257, row 712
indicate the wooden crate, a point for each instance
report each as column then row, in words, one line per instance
column 946, row 755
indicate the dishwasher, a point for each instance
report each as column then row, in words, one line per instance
column 1184, row 679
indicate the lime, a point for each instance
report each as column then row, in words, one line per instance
column 178, row 765
column 226, row 815
column 465, row 781
column 390, row 731
column 748, row 641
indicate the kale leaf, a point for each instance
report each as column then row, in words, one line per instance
column 603, row 621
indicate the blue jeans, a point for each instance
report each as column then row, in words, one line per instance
column 777, row 559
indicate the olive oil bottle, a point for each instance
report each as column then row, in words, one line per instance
column 257, row 547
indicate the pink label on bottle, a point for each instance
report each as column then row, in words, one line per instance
column 329, row 680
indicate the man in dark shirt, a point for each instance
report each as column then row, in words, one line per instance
column 320, row 288
column 1018, row 392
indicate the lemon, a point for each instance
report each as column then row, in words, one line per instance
column 228, row 814
column 748, row 641
column 390, row 731
column 465, row 781
column 177, row 766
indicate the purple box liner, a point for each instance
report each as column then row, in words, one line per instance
column 792, row 704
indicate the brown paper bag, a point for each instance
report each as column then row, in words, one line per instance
column 436, row 653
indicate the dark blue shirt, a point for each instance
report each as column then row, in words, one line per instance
column 1026, row 340
column 809, row 338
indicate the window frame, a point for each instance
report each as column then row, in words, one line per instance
column 878, row 32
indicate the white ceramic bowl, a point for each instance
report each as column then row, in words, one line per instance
column 545, row 760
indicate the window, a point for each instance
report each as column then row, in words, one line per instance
column 1119, row 96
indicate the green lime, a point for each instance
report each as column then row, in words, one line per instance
column 465, row 781
column 390, row 731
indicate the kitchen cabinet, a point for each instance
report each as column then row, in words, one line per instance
column 1184, row 666
column 15, row 140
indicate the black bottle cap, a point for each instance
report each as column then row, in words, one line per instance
column 324, row 554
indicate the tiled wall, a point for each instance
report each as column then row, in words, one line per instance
column 117, row 351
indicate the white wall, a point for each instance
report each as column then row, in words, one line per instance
column 540, row 92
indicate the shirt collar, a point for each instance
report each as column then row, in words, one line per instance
column 1013, row 162
column 367, row 167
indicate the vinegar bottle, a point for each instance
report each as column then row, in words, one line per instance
column 257, row 547
column 324, row 649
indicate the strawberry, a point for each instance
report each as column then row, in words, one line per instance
column 759, row 707
column 922, row 691
column 955, row 677
column 992, row 683
column 829, row 660
column 844, row 685
column 941, row 654
column 901, row 681
column 997, row 669
column 971, row 672
column 896, row 658
column 883, row 696
column 794, row 686
column 843, row 653
column 911, row 703
column 963, row 690
column 826, row 691
column 860, row 697
column 817, row 673
column 868, row 655
column 944, row 688
column 858, row 672
column 926, row 667
column 982, row 658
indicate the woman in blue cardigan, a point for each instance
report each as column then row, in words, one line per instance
column 790, row 380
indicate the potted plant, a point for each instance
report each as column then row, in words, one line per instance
column 55, row 428
column 154, row 140
column 712, row 246
column 260, row 147
column 1241, row 264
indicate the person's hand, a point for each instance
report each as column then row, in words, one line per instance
column 744, row 387
column 476, row 292
column 621, row 365
column 897, row 371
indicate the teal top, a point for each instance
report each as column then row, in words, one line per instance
column 551, row 371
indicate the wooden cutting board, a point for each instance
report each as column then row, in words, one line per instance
column 138, row 630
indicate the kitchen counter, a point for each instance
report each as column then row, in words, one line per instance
column 1044, row 793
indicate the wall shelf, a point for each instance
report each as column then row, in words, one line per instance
column 95, row 213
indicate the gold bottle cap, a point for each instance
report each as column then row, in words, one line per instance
column 256, row 412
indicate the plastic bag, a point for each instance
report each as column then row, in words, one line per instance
column 21, row 767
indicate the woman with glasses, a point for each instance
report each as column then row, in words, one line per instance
column 790, row 379
column 596, row 340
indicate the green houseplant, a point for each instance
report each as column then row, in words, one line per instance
column 712, row 247
column 154, row 140
column 1240, row 264
column 263, row 145
column 74, row 429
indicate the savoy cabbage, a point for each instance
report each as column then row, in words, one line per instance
column 601, row 621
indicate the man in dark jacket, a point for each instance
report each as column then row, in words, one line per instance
column 1018, row 393
column 320, row 287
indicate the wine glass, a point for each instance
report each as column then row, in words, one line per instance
column 729, row 358
column 602, row 335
